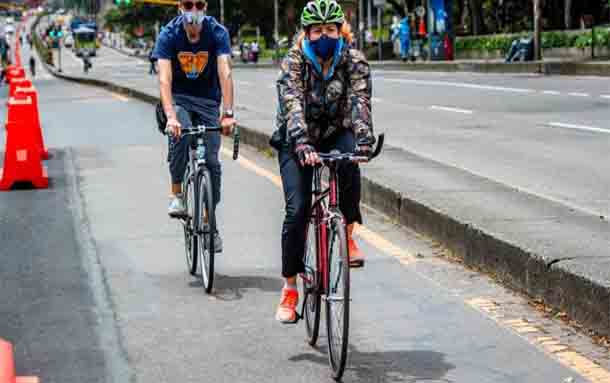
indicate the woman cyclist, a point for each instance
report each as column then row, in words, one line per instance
column 324, row 94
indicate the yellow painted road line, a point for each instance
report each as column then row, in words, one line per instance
column 119, row 97
column 368, row 235
column 561, row 352
column 526, row 330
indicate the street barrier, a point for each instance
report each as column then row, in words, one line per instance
column 7, row 366
column 33, row 117
column 23, row 154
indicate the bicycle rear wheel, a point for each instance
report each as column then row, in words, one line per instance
column 310, row 280
column 338, row 297
column 190, row 238
column 207, row 228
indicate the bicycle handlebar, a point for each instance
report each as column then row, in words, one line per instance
column 195, row 130
column 236, row 138
column 352, row 156
column 199, row 129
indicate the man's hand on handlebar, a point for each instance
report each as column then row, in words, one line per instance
column 173, row 127
column 227, row 124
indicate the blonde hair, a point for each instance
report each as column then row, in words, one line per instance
column 345, row 31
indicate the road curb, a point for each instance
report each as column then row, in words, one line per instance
column 568, row 68
column 582, row 299
column 548, row 68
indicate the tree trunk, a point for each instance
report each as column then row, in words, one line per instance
column 476, row 17
column 537, row 30
column 568, row 14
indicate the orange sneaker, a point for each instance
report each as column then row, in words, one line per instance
column 286, row 311
column 356, row 258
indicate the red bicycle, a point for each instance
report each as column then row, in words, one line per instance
column 326, row 276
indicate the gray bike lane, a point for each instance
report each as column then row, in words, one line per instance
column 404, row 326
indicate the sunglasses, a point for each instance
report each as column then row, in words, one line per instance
column 188, row 5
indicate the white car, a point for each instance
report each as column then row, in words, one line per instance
column 69, row 41
column 9, row 29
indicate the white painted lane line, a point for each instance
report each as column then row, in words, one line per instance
column 461, row 85
column 579, row 127
column 551, row 92
column 449, row 109
column 606, row 96
column 245, row 83
column 577, row 94
column 376, row 99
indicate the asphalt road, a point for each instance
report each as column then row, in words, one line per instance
column 548, row 136
column 94, row 282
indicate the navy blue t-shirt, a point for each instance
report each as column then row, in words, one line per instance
column 194, row 66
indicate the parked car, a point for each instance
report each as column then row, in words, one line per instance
column 9, row 29
column 69, row 41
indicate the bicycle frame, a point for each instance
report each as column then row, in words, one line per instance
column 323, row 215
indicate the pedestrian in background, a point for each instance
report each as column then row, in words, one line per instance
column 153, row 69
column 254, row 49
column 33, row 66
column 404, row 34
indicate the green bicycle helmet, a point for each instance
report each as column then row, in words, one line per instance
column 322, row 12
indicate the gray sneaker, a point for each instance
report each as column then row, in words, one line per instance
column 176, row 207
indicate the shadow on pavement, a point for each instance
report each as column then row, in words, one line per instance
column 229, row 288
column 388, row 366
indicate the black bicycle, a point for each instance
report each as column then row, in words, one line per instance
column 199, row 222
column 327, row 272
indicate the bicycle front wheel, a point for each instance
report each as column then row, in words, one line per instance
column 311, row 290
column 190, row 239
column 207, row 226
column 338, row 297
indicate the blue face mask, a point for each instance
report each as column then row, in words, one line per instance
column 193, row 17
column 324, row 47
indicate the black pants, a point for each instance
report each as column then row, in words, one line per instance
column 297, row 184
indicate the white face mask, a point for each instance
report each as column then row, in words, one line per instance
column 194, row 17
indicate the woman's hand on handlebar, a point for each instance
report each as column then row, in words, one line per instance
column 307, row 155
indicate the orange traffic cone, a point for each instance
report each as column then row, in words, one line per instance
column 7, row 366
column 17, row 82
column 22, row 157
column 33, row 122
column 15, row 72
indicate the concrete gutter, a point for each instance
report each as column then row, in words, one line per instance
column 583, row 299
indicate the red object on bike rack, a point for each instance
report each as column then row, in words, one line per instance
column 34, row 118
column 23, row 155
column 7, row 366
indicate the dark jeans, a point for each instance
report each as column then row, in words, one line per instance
column 297, row 184
column 179, row 149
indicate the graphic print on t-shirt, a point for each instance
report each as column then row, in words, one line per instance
column 193, row 64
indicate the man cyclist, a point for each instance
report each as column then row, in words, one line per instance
column 324, row 92
column 194, row 58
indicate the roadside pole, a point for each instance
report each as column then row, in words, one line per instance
column 59, row 55
column 537, row 32
column 380, row 5
column 276, row 31
column 222, row 12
